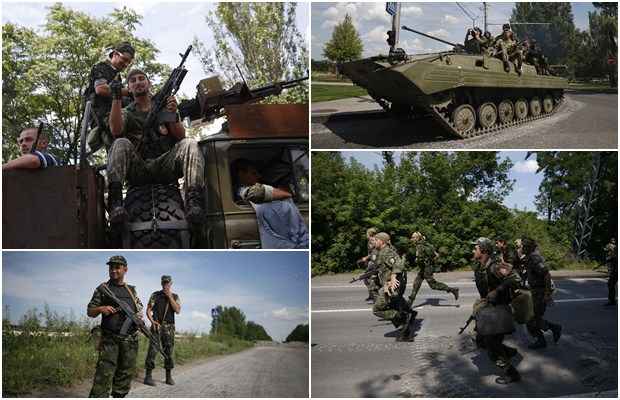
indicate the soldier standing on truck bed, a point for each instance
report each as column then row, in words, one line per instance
column 37, row 159
column 161, row 154
column 160, row 310
column 118, row 351
column 98, row 91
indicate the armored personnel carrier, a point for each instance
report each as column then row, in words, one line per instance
column 468, row 94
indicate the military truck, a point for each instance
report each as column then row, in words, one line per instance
column 65, row 207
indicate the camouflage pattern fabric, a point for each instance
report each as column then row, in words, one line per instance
column 165, row 333
column 425, row 255
column 116, row 366
column 372, row 284
column 508, row 50
column 183, row 160
column 389, row 307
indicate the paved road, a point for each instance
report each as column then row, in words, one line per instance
column 269, row 371
column 355, row 355
column 585, row 121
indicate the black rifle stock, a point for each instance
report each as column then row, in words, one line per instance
column 159, row 101
column 133, row 318
column 469, row 321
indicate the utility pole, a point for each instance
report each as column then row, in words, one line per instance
column 393, row 9
column 485, row 9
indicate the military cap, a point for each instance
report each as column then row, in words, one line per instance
column 371, row 231
column 485, row 244
column 506, row 27
column 124, row 47
column 166, row 278
column 117, row 260
column 384, row 237
column 136, row 71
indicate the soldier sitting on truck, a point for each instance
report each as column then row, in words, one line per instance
column 38, row 159
column 279, row 220
column 158, row 155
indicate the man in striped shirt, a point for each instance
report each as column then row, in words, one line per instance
column 38, row 159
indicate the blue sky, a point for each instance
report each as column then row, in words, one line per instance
column 445, row 20
column 170, row 25
column 271, row 288
column 523, row 173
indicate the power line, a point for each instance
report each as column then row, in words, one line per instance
column 468, row 13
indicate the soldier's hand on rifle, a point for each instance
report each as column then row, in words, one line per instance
column 107, row 310
column 171, row 104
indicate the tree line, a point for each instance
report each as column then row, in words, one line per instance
column 453, row 198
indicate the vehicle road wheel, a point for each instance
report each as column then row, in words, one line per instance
column 547, row 104
column 464, row 119
column 535, row 107
column 168, row 204
column 487, row 115
column 520, row 109
column 506, row 111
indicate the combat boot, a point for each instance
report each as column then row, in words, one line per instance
column 506, row 66
column 510, row 351
column 540, row 343
column 557, row 331
column 512, row 375
column 118, row 214
column 405, row 331
column 148, row 378
column 194, row 206
column 169, row 380
column 455, row 292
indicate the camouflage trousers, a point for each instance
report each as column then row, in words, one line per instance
column 183, row 160
column 538, row 325
column 116, row 366
column 166, row 338
column 373, row 285
column 390, row 308
column 507, row 54
column 426, row 274
column 497, row 351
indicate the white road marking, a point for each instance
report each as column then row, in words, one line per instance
column 461, row 283
column 462, row 305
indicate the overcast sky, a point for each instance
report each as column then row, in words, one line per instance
column 271, row 288
column 170, row 25
column 523, row 173
column 445, row 20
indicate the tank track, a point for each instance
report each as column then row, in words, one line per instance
column 442, row 115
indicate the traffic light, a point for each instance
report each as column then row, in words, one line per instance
column 391, row 40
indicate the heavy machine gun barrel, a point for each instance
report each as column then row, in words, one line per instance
column 458, row 46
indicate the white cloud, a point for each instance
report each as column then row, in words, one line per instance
column 377, row 35
column 526, row 167
column 290, row 314
column 450, row 19
column 200, row 316
column 410, row 11
column 442, row 33
column 376, row 12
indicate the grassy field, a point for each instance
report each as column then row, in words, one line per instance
column 333, row 92
column 325, row 77
column 32, row 362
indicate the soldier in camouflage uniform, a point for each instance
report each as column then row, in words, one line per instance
column 370, row 260
column 536, row 57
column 507, row 254
column 390, row 304
column 507, row 49
column 116, row 365
column 611, row 252
column 496, row 284
column 98, row 91
column 161, row 155
column 160, row 310
column 425, row 256
column 539, row 281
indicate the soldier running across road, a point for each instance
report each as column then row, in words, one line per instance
column 539, row 281
column 118, row 350
column 390, row 304
column 160, row 310
column 496, row 284
column 611, row 254
column 425, row 257
column 372, row 283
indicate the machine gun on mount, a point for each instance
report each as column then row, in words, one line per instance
column 211, row 98
column 459, row 48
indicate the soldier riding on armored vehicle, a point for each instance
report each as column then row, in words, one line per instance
column 467, row 90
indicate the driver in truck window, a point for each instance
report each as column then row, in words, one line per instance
column 281, row 226
column 38, row 159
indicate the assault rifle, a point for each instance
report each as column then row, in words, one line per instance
column 36, row 140
column 159, row 101
column 366, row 275
column 469, row 321
column 211, row 98
column 132, row 318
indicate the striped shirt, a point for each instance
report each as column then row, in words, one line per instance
column 46, row 159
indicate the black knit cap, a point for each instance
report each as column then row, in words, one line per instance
column 124, row 47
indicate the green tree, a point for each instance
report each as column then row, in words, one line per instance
column 262, row 39
column 345, row 43
column 45, row 75
column 301, row 333
column 604, row 33
column 254, row 332
column 228, row 321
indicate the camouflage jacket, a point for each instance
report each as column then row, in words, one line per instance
column 127, row 293
column 425, row 256
column 494, row 277
column 538, row 276
column 389, row 262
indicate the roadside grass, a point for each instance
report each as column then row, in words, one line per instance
column 326, row 77
column 333, row 92
column 38, row 360
column 592, row 87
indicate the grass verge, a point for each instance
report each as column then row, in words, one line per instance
column 323, row 77
column 333, row 92
column 36, row 360
column 592, row 87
